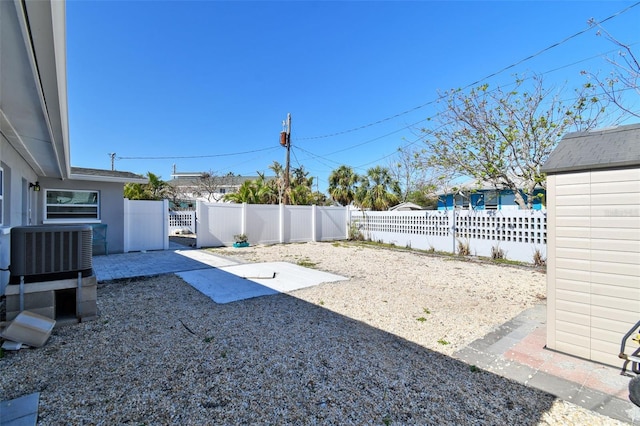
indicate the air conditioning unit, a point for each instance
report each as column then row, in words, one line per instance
column 50, row 252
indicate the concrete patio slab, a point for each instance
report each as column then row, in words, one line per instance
column 244, row 281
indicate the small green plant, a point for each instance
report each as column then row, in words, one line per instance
column 443, row 342
column 538, row 258
column 474, row 369
column 208, row 339
column 354, row 232
column 321, row 303
column 426, row 311
column 223, row 354
column 386, row 420
column 240, row 238
column 421, row 319
column 306, row 263
column 463, row 248
column 497, row 253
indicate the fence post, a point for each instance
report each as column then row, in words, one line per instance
column 127, row 220
column 314, row 224
column 452, row 221
column 281, row 208
column 165, row 215
column 198, row 215
column 347, row 216
column 243, row 220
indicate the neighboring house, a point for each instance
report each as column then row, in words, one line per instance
column 593, row 242
column 473, row 195
column 37, row 183
column 193, row 186
column 406, row 206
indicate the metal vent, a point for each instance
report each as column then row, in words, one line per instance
column 50, row 252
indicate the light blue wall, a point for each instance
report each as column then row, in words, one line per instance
column 506, row 199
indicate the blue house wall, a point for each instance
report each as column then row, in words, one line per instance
column 476, row 200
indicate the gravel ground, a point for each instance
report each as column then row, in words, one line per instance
column 371, row 350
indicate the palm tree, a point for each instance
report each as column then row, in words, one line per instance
column 153, row 190
column 156, row 186
column 378, row 190
column 342, row 185
column 278, row 182
column 245, row 194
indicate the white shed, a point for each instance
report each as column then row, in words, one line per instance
column 593, row 242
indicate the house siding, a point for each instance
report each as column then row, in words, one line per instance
column 16, row 210
column 111, row 205
column 593, row 271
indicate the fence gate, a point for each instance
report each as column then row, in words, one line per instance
column 146, row 225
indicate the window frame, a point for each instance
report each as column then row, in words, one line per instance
column 82, row 217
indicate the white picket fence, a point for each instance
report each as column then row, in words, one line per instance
column 519, row 234
column 217, row 223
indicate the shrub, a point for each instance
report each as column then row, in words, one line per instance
column 463, row 248
column 538, row 259
column 354, row 233
column 497, row 253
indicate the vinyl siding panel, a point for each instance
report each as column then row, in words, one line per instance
column 615, row 281
column 612, row 245
column 608, row 199
column 593, row 280
column 624, row 293
column 616, row 268
column 573, row 329
column 573, row 200
column 573, row 253
column 571, row 285
column 572, row 232
column 615, row 256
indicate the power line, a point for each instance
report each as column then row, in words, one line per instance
column 552, row 46
column 175, row 157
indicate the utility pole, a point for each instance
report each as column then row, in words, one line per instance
column 113, row 158
column 285, row 140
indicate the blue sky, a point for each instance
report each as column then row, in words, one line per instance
column 205, row 85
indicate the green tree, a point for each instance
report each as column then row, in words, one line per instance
column 277, row 182
column 247, row 193
column 503, row 137
column 342, row 185
column 377, row 190
column 153, row 190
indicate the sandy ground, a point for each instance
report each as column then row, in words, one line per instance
column 371, row 350
column 441, row 303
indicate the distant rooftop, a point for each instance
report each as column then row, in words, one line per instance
column 82, row 173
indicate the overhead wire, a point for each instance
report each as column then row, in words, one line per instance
column 178, row 157
column 394, row 116
column 513, row 65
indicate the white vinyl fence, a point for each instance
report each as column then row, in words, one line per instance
column 146, row 225
column 519, row 234
column 217, row 223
